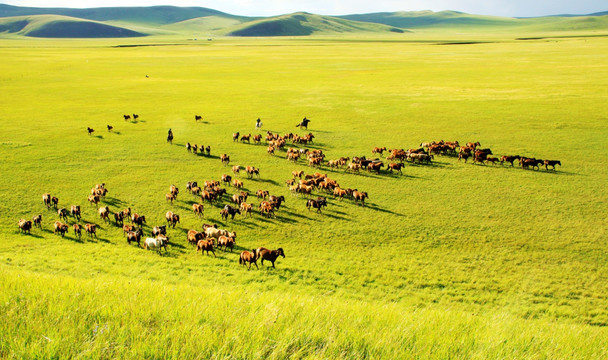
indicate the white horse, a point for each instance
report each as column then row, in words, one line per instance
column 156, row 243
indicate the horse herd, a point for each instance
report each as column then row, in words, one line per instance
column 205, row 241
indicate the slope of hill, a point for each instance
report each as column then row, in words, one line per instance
column 207, row 23
column 159, row 15
column 302, row 24
column 54, row 26
column 445, row 19
column 418, row 19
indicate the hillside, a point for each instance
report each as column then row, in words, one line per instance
column 159, row 15
column 302, row 24
column 446, row 19
column 53, row 26
column 420, row 19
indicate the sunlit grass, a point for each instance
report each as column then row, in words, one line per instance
column 450, row 260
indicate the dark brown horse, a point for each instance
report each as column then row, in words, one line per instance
column 270, row 255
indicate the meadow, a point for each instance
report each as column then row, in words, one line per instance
column 451, row 260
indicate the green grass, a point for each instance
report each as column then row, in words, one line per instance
column 449, row 261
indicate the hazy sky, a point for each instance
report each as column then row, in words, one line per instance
column 343, row 7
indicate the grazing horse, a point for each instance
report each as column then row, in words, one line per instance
column 229, row 211
column 135, row 116
column 138, row 219
column 226, row 179
column 77, row 231
column 75, row 212
column 172, row 219
column 63, row 214
column 235, row 136
column 509, row 159
column 156, row 243
column 198, row 209
column 91, row 230
column 270, row 255
column 360, row 196
column 225, row 159
column 246, row 138
column 104, row 213
column 252, row 171
column 159, row 230
column 236, row 169
column 395, row 166
column 304, row 123
column 197, row 117
column 90, row 131
column 226, row 242
column 317, row 204
column 37, row 219
column 552, row 163
column 127, row 117
column 378, row 150
column 194, row 237
column 60, row 228
column 135, row 236
column 25, row 225
column 46, row 199
column 249, row 257
column 205, row 245
column 110, row 127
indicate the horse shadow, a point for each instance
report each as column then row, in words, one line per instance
column 337, row 217
column 269, row 181
column 377, row 208
column 33, row 235
column 116, row 132
column 112, row 201
column 98, row 136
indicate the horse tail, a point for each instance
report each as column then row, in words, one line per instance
column 241, row 260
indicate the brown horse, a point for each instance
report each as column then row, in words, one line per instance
column 249, row 257
column 270, row 255
column 205, row 245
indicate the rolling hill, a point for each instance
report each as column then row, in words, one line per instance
column 450, row 19
column 55, row 26
column 302, row 24
column 159, row 15
column 179, row 21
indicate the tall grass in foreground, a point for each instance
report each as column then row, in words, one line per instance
column 47, row 316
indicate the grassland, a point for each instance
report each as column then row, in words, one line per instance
column 448, row 261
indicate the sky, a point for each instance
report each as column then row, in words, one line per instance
column 511, row 8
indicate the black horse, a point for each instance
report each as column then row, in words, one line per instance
column 170, row 137
column 317, row 204
column 304, row 123
column 229, row 211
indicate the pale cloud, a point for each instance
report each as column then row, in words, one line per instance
column 343, row 7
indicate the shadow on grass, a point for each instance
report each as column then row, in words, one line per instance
column 377, row 208
column 97, row 136
column 112, row 201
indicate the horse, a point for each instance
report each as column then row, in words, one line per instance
column 249, row 257
column 229, row 211
column 317, row 204
column 552, row 163
column 270, row 255
column 205, row 245
column 304, row 123
column 156, row 243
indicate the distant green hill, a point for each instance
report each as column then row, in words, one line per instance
column 54, row 26
column 199, row 21
column 159, row 15
column 302, row 24
column 446, row 19
column 207, row 24
column 423, row 19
